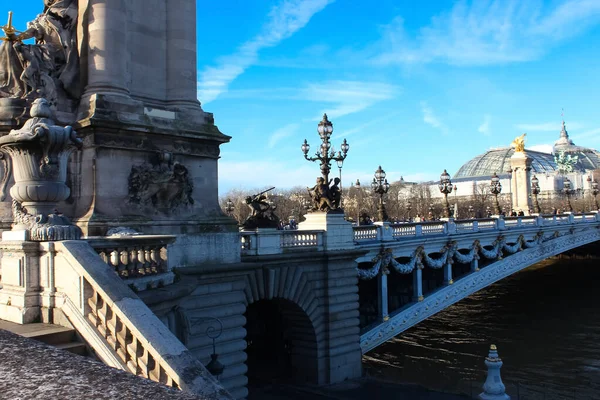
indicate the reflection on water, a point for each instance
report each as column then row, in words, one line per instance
column 545, row 321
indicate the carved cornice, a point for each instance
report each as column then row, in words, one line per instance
column 147, row 142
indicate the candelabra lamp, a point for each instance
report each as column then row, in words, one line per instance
column 325, row 156
column 535, row 191
column 568, row 191
column 496, row 189
column 445, row 186
column 408, row 208
column 380, row 186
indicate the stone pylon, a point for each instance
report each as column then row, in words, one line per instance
column 493, row 388
column 520, row 182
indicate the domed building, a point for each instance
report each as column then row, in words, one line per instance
column 566, row 161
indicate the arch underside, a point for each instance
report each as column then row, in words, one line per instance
column 407, row 317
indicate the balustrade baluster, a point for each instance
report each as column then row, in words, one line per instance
column 154, row 260
column 124, row 262
column 148, row 262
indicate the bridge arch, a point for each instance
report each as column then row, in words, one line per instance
column 283, row 327
column 556, row 243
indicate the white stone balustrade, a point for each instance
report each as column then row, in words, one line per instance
column 272, row 241
column 134, row 256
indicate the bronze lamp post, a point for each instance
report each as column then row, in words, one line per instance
column 568, row 190
column 380, row 186
column 445, row 187
column 496, row 189
column 535, row 190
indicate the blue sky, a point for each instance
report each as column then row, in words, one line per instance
column 413, row 89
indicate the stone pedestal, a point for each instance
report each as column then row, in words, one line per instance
column 521, row 182
column 20, row 292
column 338, row 232
column 493, row 388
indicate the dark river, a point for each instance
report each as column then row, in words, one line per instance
column 545, row 321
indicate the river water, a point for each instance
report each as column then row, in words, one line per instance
column 544, row 320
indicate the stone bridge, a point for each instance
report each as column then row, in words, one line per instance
column 294, row 306
column 312, row 301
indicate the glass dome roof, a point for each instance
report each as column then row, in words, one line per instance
column 498, row 161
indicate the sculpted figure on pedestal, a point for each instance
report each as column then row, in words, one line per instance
column 49, row 68
column 262, row 212
column 325, row 197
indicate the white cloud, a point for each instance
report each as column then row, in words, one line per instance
column 547, row 127
column 348, row 96
column 284, row 20
column 281, row 133
column 485, row 126
column 593, row 133
column 431, row 119
column 487, row 32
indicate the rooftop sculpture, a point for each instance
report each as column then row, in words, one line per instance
column 519, row 144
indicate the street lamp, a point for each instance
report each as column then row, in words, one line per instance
column 408, row 208
column 568, row 189
column 471, row 211
column 324, row 156
column 229, row 207
column 445, row 186
column 495, row 189
column 455, row 202
column 595, row 194
column 380, row 186
column 535, row 190
column 358, row 192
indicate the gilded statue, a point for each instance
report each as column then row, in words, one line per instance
column 519, row 143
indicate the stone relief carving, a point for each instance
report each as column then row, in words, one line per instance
column 49, row 68
column 167, row 187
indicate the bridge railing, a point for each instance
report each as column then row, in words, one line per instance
column 277, row 242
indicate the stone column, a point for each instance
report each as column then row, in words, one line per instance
column 418, row 283
column 521, row 182
column 181, row 54
column 448, row 273
column 382, row 293
column 493, row 388
column 107, row 53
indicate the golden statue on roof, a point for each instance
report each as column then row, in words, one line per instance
column 519, row 143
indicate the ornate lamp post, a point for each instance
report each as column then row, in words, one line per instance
column 324, row 156
column 408, row 208
column 495, row 189
column 455, row 202
column 380, row 186
column 535, row 190
column 357, row 185
column 471, row 213
column 445, row 186
column 568, row 190
column 594, row 189
column 229, row 207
